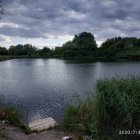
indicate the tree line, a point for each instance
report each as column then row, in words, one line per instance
column 82, row 47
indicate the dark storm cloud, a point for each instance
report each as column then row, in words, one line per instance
column 45, row 18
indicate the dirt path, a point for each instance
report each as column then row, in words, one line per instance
column 14, row 133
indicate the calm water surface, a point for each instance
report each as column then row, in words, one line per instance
column 42, row 87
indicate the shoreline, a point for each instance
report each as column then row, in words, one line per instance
column 84, row 60
column 52, row 134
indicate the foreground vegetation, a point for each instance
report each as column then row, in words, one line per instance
column 116, row 108
column 82, row 47
column 9, row 116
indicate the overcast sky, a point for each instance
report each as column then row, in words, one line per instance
column 53, row 22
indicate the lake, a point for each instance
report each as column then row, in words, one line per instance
column 43, row 87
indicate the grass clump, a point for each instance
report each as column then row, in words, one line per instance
column 79, row 118
column 10, row 115
column 116, row 107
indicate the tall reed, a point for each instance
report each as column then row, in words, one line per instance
column 116, row 107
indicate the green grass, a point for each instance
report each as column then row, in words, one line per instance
column 77, row 118
column 116, row 107
column 10, row 115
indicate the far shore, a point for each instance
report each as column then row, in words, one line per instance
column 83, row 60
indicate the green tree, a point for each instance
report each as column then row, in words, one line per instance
column 82, row 46
column 20, row 49
column 85, row 40
column 3, row 51
column 16, row 50
column 28, row 49
column 45, row 52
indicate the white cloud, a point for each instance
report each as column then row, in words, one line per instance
column 12, row 25
column 5, row 39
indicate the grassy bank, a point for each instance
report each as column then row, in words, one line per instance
column 3, row 58
column 10, row 117
column 115, row 108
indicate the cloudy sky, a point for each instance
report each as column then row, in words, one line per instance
column 53, row 22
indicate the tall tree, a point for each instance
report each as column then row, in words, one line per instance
column 82, row 45
column 85, row 40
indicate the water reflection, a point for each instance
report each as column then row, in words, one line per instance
column 42, row 87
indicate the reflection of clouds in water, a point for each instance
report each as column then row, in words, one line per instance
column 43, row 87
